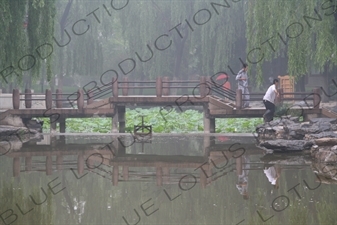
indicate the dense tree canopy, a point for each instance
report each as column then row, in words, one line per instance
column 180, row 39
column 305, row 32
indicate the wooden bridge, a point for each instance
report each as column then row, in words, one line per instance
column 111, row 101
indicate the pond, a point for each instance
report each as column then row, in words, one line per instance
column 163, row 179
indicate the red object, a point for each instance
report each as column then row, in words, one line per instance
column 223, row 138
column 226, row 84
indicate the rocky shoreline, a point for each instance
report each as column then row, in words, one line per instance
column 318, row 137
column 13, row 133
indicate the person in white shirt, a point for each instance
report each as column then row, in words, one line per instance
column 273, row 174
column 269, row 101
column 242, row 79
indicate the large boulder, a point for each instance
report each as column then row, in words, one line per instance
column 13, row 121
column 22, row 134
column 287, row 145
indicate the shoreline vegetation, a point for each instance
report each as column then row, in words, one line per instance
column 188, row 121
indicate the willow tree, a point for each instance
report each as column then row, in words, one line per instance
column 303, row 32
column 25, row 25
column 12, row 35
column 181, row 38
column 94, row 42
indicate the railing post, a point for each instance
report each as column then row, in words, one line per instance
column 238, row 98
column 202, row 86
column 28, row 98
column 207, row 83
column 58, row 98
column 16, row 99
column 166, row 86
column 125, row 86
column 80, row 99
column 114, row 87
column 90, row 99
column 159, row 87
column 317, row 98
column 49, row 99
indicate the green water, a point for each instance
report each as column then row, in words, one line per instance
column 91, row 198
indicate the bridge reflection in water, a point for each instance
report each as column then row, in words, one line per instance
column 123, row 158
column 234, row 182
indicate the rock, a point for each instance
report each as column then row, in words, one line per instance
column 326, row 141
column 10, row 120
column 287, row 135
column 323, row 120
column 33, row 124
column 325, row 154
column 10, row 133
column 325, row 173
column 298, row 131
column 295, row 119
column 328, row 134
column 287, row 145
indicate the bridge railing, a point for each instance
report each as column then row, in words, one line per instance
column 162, row 87
column 313, row 96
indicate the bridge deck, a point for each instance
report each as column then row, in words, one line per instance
column 220, row 111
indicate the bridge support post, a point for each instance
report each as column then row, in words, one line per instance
column 166, row 175
column 90, row 99
column 207, row 121
column 114, row 128
column 59, row 162
column 238, row 166
column 58, row 98
column 16, row 99
column 28, row 98
column 203, row 179
column 115, row 174
column 208, row 85
column 202, row 87
column 125, row 88
column 28, row 163
column 121, row 118
column 62, row 125
column 53, row 120
column 16, row 166
column 80, row 99
column 49, row 99
column 49, row 165
column 114, row 87
column 159, row 176
column 166, row 86
column 80, row 164
column 125, row 172
column 212, row 125
column 159, row 87
column 238, row 98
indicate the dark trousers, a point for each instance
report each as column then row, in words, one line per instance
column 269, row 114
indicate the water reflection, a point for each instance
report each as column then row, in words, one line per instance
column 162, row 180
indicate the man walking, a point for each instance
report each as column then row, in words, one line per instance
column 242, row 79
column 269, row 101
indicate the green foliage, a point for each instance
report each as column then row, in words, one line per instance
column 162, row 122
column 314, row 43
